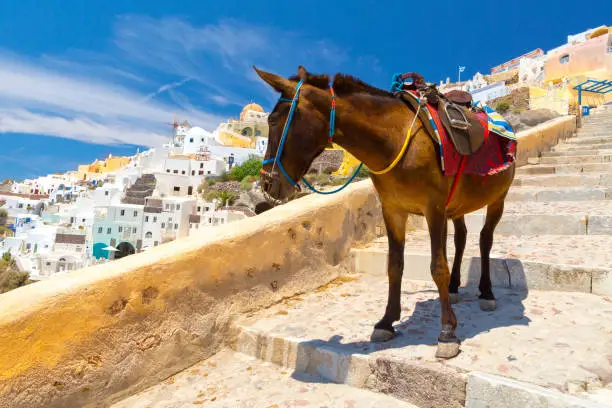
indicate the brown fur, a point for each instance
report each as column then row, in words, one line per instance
column 372, row 125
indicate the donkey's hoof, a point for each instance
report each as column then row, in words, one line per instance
column 380, row 336
column 447, row 350
column 454, row 298
column 487, row 305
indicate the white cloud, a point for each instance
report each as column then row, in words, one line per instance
column 116, row 97
column 87, row 109
column 83, row 129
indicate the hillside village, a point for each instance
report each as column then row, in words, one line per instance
column 119, row 206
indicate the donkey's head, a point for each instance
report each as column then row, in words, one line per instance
column 295, row 139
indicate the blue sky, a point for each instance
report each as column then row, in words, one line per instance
column 81, row 79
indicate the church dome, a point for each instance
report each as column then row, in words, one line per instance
column 250, row 107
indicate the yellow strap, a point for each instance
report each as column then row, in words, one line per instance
column 402, row 151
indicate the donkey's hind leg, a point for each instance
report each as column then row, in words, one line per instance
column 460, row 239
column 494, row 214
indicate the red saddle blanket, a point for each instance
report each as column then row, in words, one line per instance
column 495, row 155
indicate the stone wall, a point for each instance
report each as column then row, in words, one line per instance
column 542, row 137
column 96, row 335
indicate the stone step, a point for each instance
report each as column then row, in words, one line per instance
column 536, row 350
column 571, row 147
column 529, row 193
column 589, row 140
column 234, row 380
column 577, row 152
column 522, row 262
column 605, row 168
column 593, row 179
column 591, row 158
column 549, row 217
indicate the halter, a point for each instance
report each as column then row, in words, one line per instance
column 276, row 161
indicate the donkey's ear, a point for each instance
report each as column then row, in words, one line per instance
column 302, row 73
column 280, row 84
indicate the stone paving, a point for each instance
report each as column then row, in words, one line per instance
column 234, row 380
column 555, row 340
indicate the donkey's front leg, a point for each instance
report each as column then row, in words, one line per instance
column 395, row 221
column 448, row 344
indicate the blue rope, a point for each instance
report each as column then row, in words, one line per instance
column 332, row 130
column 281, row 145
column 311, row 188
column 397, row 83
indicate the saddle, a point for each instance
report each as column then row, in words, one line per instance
column 456, row 113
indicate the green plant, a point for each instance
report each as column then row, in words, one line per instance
column 251, row 167
column 3, row 213
column 7, row 257
column 364, row 172
column 226, row 197
column 502, row 107
column 11, row 279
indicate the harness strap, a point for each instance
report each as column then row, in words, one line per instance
column 402, row 150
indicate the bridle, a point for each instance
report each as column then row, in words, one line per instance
column 276, row 161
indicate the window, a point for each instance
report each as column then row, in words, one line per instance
column 149, row 235
column 201, row 173
column 154, row 219
column 191, row 140
column 175, row 226
column 208, row 172
column 78, row 249
column 147, row 218
column 106, row 193
column 258, row 132
column 163, row 225
column 564, row 59
column 135, row 213
column 134, row 230
column 120, row 229
column 122, row 213
column 197, row 225
column 48, row 263
column 28, row 246
column 155, row 243
column 20, row 206
column 193, row 172
column 167, row 206
column 178, row 206
column 83, row 219
column 177, row 189
column 199, row 209
column 183, row 172
column 175, row 171
column 206, row 208
column 201, row 165
column 99, row 230
column 167, row 170
column 109, row 230
column 210, row 220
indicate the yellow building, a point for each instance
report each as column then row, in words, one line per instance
column 243, row 132
column 100, row 167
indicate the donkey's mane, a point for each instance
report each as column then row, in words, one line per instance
column 316, row 80
column 345, row 84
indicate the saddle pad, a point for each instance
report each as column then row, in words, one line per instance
column 495, row 155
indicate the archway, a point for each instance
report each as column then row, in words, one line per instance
column 124, row 249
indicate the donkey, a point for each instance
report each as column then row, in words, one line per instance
column 372, row 125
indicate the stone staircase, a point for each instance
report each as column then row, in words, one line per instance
column 549, row 343
column 142, row 188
